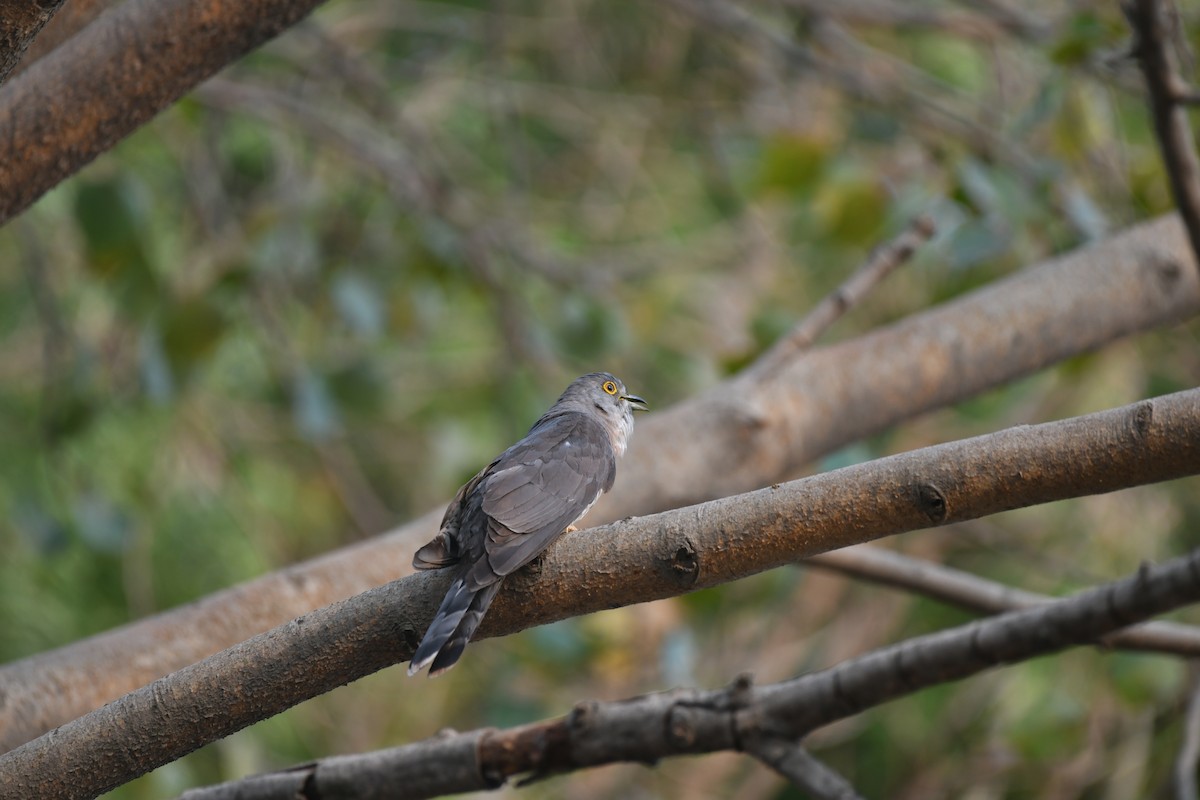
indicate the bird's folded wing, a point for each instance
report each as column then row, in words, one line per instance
column 543, row 484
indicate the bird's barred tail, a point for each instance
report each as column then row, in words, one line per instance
column 455, row 621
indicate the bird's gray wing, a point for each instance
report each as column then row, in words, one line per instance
column 541, row 485
column 450, row 545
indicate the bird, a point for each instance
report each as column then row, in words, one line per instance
column 517, row 505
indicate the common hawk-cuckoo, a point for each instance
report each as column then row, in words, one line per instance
column 520, row 503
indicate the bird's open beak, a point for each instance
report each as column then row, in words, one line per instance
column 635, row 401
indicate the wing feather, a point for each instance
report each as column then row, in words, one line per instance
column 542, row 485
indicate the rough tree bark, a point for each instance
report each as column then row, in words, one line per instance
column 756, row 429
column 20, row 22
column 627, row 562
column 121, row 70
column 764, row 721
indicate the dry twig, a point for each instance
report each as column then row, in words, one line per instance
column 988, row 597
column 764, row 721
column 1152, row 22
column 881, row 263
column 1189, row 750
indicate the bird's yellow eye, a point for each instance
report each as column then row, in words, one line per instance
column 609, row 387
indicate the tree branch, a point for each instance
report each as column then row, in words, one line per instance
column 758, row 428
column 881, row 263
column 122, row 69
column 1166, row 87
column 1184, row 773
column 739, row 717
column 791, row 760
column 20, row 22
column 988, row 597
column 632, row 561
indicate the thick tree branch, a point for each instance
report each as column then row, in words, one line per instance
column 20, row 22
column 740, row 717
column 628, row 562
column 1167, row 88
column 988, row 597
column 122, row 69
column 748, row 432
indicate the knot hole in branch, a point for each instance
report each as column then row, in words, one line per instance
column 685, row 565
column 1143, row 417
column 932, row 502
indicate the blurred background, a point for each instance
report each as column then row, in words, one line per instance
column 315, row 296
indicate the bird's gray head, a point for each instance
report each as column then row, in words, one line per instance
column 603, row 395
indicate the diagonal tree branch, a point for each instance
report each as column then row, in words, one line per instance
column 763, row 721
column 1167, row 88
column 988, row 597
column 759, row 427
column 881, row 263
column 628, row 562
column 122, row 69
column 20, row 22
column 793, row 761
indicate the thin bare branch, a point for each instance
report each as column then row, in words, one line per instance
column 1189, row 749
column 881, row 263
column 739, row 717
column 791, row 760
column 1152, row 20
column 988, row 597
column 737, row 436
column 644, row 558
column 966, row 24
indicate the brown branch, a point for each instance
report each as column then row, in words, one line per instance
column 758, row 431
column 70, row 19
column 988, row 597
column 128, row 65
column 643, row 558
column 881, row 263
column 739, row 717
column 20, row 22
column 1159, row 66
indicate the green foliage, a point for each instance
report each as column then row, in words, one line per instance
column 256, row 332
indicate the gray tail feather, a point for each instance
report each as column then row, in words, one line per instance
column 457, row 618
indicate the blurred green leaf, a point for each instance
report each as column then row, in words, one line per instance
column 359, row 304
column 974, row 242
column 113, row 233
column 154, row 366
column 313, row 409
column 191, row 330
column 44, row 532
column 1085, row 33
column 852, row 208
column 1142, row 680
column 953, row 60
column 792, row 164
column 103, row 526
column 589, row 327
